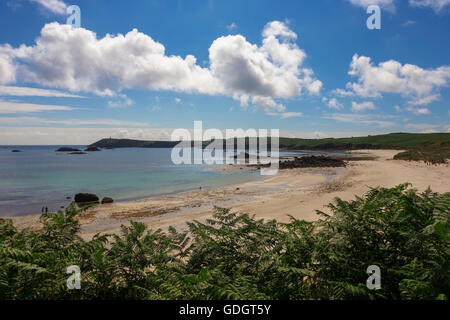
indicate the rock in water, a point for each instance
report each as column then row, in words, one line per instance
column 86, row 198
column 67, row 149
column 77, row 152
column 107, row 200
column 15, row 150
column 91, row 149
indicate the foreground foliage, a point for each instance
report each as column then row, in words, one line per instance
column 233, row 256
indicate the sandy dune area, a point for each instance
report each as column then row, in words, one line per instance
column 295, row 192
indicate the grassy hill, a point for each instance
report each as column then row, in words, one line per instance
column 430, row 147
column 384, row 141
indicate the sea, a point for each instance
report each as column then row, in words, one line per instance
column 39, row 177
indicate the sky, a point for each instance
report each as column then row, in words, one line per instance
column 139, row 69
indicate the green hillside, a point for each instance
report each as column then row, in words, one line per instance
column 385, row 141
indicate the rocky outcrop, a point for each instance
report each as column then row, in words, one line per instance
column 86, row 198
column 15, row 150
column 67, row 149
column 106, row 200
column 92, row 149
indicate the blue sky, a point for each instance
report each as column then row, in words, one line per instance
column 308, row 68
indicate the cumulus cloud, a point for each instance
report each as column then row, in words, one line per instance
column 358, row 107
column 391, row 76
column 7, row 67
column 270, row 70
column 75, row 59
column 436, row 5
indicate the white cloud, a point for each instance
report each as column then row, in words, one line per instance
column 177, row 100
column 333, row 103
column 359, row 119
column 8, row 107
column 343, row 93
column 358, row 107
column 121, row 101
column 74, row 59
column 231, row 26
column 419, row 111
column 7, row 67
column 271, row 70
column 437, row 5
column 34, row 92
column 267, row 104
column 391, row 76
column 398, row 109
column 55, row 6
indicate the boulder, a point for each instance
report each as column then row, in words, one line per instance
column 86, row 198
column 106, row 200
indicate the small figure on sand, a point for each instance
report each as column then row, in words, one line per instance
column 42, row 210
column 46, row 210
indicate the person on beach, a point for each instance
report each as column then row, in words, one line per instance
column 46, row 210
column 42, row 210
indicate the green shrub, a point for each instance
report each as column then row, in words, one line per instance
column 233, row 256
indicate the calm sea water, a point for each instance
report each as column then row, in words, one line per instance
column 38, row 176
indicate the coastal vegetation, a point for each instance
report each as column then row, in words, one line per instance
column 235, row 256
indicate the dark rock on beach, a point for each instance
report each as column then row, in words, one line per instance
column 86, row 198
column 312, row 162
column 67, row 149
column 106, row 200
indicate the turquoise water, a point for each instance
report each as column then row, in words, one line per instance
column 38, row 176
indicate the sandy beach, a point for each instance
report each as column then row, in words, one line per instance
column 295, row 192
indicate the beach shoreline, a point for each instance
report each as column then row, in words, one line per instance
column 293, row 192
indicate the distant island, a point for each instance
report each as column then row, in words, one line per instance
column 430, row 147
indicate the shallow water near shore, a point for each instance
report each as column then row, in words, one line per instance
column 38, row 176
